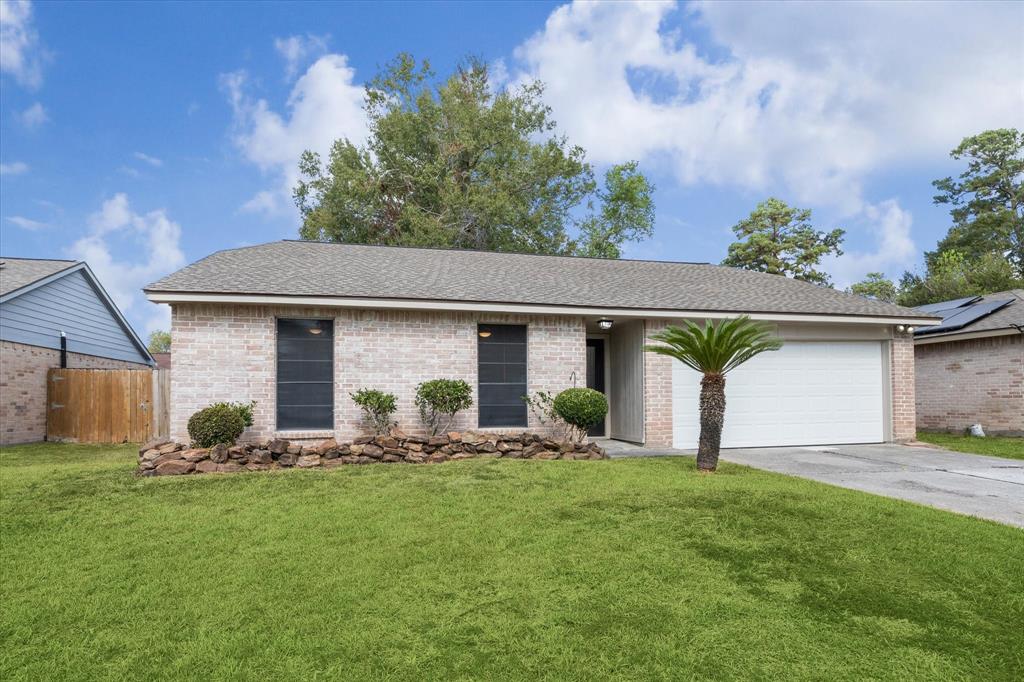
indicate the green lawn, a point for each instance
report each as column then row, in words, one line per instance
column 491, row 569
column 996, row 446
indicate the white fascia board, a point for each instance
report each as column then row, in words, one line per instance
column 520, row 308
column 953, row 337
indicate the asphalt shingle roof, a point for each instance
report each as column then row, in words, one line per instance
column 297, row 268
column 16, row 273
column 1004, row 318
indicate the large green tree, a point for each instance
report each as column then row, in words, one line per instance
column 986, row 200
column 877, row 286
column 951, row 275
column 779, row 239
column 462, row 163
column 159, row 342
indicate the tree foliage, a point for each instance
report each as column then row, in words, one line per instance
column 986, row 200
column 159, row 342
column 876, row 286
column 714, row 350
column 951, row 275
column 463, row 164
column 779, row 239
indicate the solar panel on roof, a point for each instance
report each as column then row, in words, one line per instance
column 958, row 318
column 947, row 305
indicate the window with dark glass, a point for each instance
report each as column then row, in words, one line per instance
column 501, row 349
column 305, row 374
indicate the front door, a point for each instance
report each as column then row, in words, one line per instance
column 595, row 377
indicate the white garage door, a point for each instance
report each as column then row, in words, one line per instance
column 807, row 393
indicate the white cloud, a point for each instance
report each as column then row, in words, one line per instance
column 151, row 160
column 296, row 50
column 324, row 105
column 34, row 116
column 27, row 223
column 20, row 53
column 890, row 225
column 151, row 242
column 809, row 101
column 13, row 168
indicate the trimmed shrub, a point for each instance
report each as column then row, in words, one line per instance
column 580, row 408
column 216, row 424
column 244, row 410
column 439, row 400
column 378, row 407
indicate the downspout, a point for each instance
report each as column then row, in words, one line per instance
column 63, row 350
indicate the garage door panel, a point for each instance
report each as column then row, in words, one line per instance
column 807, row 393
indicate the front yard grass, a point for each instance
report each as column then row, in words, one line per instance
column 491, row 569
column 995, row 446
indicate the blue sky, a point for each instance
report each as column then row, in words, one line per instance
column 145, row 136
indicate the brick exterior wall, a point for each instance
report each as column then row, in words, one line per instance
column 657, row 392
column 23, row 387
column 978, row 381
column 901, row 370
column 228, row 352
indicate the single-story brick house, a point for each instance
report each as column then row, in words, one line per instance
column 54, row 313
column 970, row 368
column 296, row 326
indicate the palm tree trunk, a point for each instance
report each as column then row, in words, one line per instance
column 712, row 418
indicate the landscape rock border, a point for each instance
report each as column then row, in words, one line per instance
column 164, row 457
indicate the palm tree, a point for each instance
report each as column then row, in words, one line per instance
column 714, row 351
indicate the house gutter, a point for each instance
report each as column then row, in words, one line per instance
column 521, row 308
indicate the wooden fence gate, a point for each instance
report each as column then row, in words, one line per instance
column 107, row 405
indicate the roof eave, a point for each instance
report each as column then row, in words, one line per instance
column 163, row 296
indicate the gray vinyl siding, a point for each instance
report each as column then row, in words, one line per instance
column 69, row 304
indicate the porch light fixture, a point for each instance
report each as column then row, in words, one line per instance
column 484, row 333
column 605, row 324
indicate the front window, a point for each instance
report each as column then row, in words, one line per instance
column 501, row 350
column 305, row 375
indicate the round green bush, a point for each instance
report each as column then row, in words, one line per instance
column 216, row 424
column 581, row 407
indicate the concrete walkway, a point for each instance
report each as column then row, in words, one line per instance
column 986, row 487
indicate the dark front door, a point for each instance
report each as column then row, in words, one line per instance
column 595, row 377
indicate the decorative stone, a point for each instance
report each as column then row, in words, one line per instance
column 229, row 468
column 388, row 457
column 373, row 450
column 154, row 444
column 348, row 459
column 219, row 453
column 546, row 454
column 503, row 446
column 438, row 457
column 260, row 457
column 287, row 459
column 308, row 461
column 363, row 440
column 486, row 447
column 168, row 448
column 237, row 452
column 206, row 467
column 532, row 449
column 294, row 449
column 169, row 457
column 330, row 454
column 365, row 460
column 438, row 440
column 454, row 436
column 356, row 449
column 333, row 463
column 419, row 440
column 326, row 446
column 150, row 455
column 413, row 447
column 175, row 467
column 278, row 446
column 256, row 466
column 194, row 455
column 461, row 455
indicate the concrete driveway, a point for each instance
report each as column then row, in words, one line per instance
column 986, row 487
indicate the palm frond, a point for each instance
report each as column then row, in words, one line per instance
column 715, row 348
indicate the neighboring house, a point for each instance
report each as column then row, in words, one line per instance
column 54, row 313
column 163, row 360
column 297, row 326
column 970, row 368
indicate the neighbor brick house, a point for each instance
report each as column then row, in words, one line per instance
column 296, row 326
column 54, row 313
column 970, row 368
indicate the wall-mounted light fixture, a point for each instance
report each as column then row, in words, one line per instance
column 900, row 328
column 484, row 333
column 605, row 324
column 910, row 330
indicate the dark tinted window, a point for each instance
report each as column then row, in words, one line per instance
column 501, row 349
column 305, row 374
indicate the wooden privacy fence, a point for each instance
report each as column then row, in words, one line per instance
column 107, row 405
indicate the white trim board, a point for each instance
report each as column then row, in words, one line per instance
column 523, row 308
